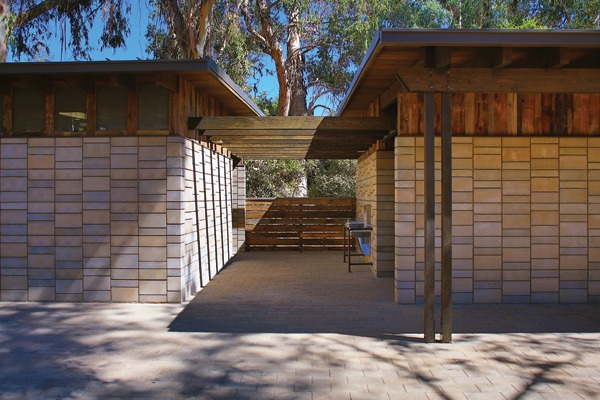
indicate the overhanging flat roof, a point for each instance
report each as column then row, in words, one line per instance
column 561, row 61
column 203, row 73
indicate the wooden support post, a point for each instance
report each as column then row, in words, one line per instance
column 446, row 317
column 429, row 218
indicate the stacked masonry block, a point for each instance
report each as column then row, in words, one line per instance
column 206, row 224
column 406, row 228
column 545, row 218
column 526, row 219
column 14, row 222
column 463, row 217
column 238, row 207
column 124, row 219
column 375, row 196
column 594, row 220
column 110, row 218
column 573, row 202
column 487, row 219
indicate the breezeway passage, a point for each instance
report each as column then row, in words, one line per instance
column 295, row 326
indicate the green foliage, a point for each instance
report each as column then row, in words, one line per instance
column 267, row 105
column 273, row 178
column 331, row 178
column 284, row 178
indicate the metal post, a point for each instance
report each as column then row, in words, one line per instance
column 429, row 148
column 446, row 318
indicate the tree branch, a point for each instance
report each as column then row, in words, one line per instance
column 37, row 10
column 249, row 27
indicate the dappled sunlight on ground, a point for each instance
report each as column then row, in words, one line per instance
column 169, row 351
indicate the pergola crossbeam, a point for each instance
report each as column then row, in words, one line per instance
column 291, row 123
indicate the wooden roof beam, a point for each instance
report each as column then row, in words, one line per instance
column 505, row 80
column 442, row 57
column 501, row 57
column 307, row 133
column 559, row 57
column 490, row 57
column 589, row 60
column 551, row 57
column 390, row 96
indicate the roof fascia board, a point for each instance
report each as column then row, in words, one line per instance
column 491, row 37
column 91, row 67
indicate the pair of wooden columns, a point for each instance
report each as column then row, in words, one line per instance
column 446, row 272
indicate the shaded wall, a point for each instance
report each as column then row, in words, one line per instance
column 526, row 218
column 111, row 218
column 375, row 205
column 238, row 195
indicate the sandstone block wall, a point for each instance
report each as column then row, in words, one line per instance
column 109, row 218
column 238, row 194
column 526, row 217
column 375, row 194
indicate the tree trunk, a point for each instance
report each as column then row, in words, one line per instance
column 4, row 10
column 204, row 25
column 285, row 92
column 296, row 68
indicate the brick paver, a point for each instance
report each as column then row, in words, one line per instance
column 296, row 326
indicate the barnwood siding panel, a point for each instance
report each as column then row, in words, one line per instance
column 297, row 222
column 475, row 114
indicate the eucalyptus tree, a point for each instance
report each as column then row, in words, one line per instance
column 313, row 45
column 179, row 28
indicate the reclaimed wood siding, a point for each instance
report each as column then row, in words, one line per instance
column 502, row 114
column 297, row 223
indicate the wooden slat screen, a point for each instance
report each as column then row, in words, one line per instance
column 297, row 223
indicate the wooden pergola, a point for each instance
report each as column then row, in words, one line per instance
column 294, row 137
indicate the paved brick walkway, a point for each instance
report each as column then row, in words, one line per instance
column 296, row 326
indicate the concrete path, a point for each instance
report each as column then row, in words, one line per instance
column 295, row 326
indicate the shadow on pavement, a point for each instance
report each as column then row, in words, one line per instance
column 313, row 293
